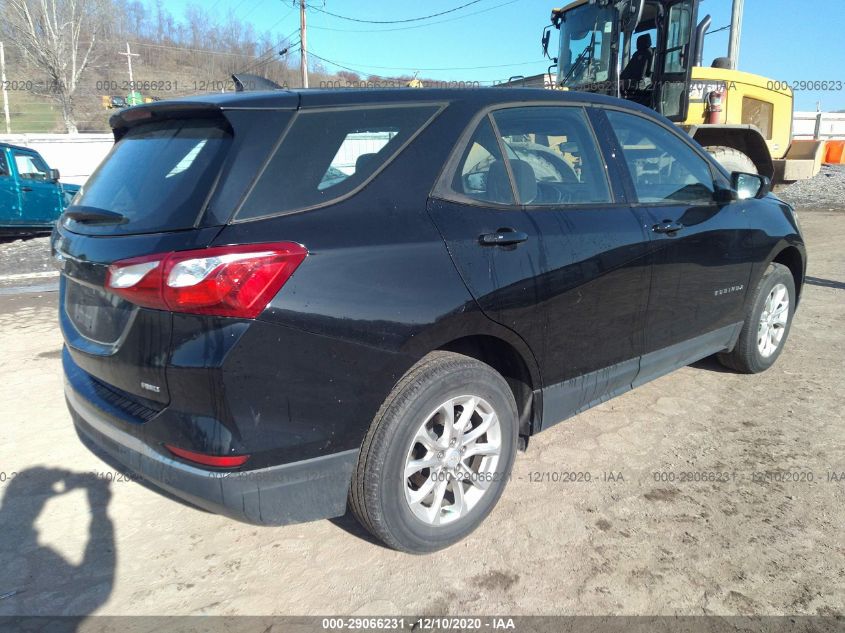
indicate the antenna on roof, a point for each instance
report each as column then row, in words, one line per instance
column 245, row 82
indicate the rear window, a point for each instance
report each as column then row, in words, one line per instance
column 328, row 154
column 159, row 175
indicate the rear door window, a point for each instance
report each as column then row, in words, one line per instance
column 553, row 147
column 329, row 154
column 159, row 176
column 4, row 169
column 482, row 175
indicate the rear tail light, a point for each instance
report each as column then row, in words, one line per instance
column 235, row 281
column 217, row 461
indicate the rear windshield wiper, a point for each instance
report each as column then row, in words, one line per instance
column 92, row 215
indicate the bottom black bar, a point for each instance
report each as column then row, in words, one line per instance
column 422, row 624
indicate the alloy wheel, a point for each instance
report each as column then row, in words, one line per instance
column 773, row 321
column 452, row 460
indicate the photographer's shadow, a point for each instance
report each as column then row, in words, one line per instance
column 35, row 579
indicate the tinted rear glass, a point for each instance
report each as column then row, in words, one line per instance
column 327, row 154
column 158, row 176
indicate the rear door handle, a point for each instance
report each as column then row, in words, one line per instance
column 667, row 226
column 26, row 188
column 503, row 237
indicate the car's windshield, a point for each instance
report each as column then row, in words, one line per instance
column 586, row 34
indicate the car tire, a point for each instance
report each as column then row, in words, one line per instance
column 767, row 323
column 732, row 159
column 412, row 428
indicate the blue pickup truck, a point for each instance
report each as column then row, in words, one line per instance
column 31, row 196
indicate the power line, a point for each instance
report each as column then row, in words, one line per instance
column 270, row 51
column 418, row 19
column 328, row 61
column 438, row 69
column 417, row 26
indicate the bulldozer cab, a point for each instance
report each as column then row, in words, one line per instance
column 641, row 50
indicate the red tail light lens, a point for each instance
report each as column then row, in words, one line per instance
column 217, row 461
column 235, row 281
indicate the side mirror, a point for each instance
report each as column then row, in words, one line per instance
column 630, row 14
column 547, row 35
column 748, row 186
column 54, row 175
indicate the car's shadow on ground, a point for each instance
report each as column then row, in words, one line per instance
column 13, row 237
column 35, row 579
column 711, row 363
column 825, row 283
column 348, row 523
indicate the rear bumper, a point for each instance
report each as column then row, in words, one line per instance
column 278, row 495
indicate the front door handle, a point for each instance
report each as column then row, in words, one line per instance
column 26, row 188
column 667, row 226
column 503, row 237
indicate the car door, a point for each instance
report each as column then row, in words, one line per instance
column 548, row 246
column 701, row 238
column 10, row 208
column 40, row 201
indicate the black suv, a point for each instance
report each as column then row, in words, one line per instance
column 280, row 304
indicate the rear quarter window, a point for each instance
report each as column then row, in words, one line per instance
column 329, row 154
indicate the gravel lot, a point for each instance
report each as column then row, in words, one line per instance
column 80, row 539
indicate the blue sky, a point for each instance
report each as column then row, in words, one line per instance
column 787, row 40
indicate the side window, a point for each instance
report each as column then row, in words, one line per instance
column 355, row 152
column 663, row 168
column 678, row 36
column 30, row 167
column 4, row 168
column 553, row 155
column 482, row 174
column 329, row 153
column 759, row 113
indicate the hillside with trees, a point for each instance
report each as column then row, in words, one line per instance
column 64, row 58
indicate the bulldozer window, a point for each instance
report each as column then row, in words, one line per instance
column 585, row 45
column 678, row 37
column 760, row 114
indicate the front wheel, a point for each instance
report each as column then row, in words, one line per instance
column 437, row 456
column 767, row 323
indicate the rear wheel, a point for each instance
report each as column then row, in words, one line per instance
column 732, row 159
column 767, row 323
column 437, row 456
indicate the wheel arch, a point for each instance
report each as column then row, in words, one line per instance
column 744, row 138
column 520, row 373
column 792, row 258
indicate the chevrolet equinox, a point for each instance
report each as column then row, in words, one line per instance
column 279, row 305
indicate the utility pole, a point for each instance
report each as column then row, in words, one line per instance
column 303, row 51
column 736, row 33
column 129, row 55
column 5, row 92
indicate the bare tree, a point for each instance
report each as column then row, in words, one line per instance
column 60, row 38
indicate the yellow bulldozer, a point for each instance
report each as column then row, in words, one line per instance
column 651, row 52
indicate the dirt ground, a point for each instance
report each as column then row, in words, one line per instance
column 645, row 540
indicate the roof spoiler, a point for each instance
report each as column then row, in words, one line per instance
column 245, row 82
